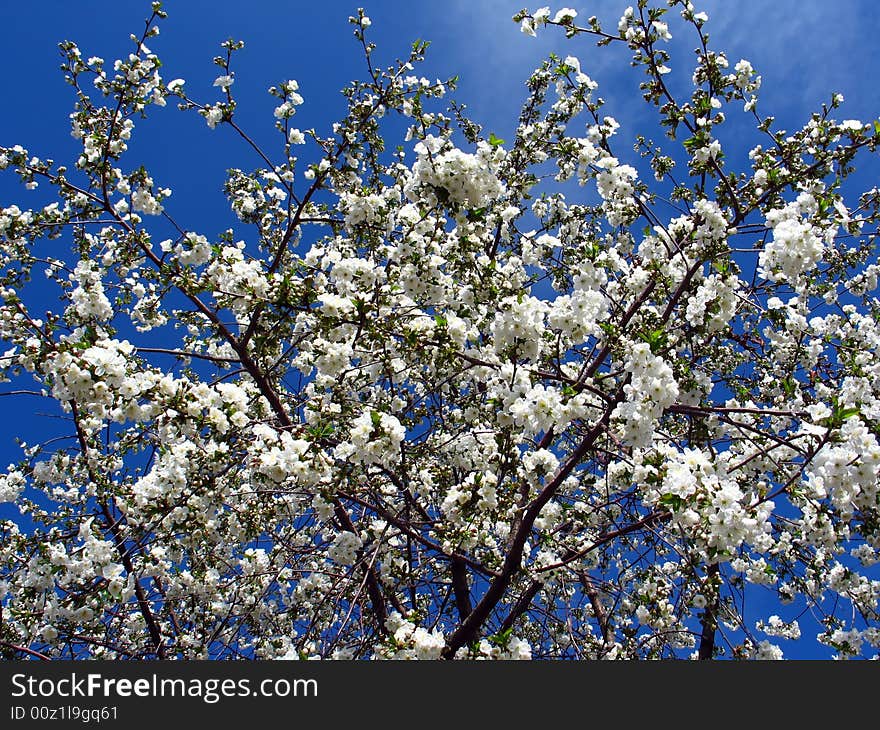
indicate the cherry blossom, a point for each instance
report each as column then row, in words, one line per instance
column 475, row 398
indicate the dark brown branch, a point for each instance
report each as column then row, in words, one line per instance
column 596, row 603
column 470, row 627
column 460, row 588
column 119, row 542
column 709, row 622
column 143, row 603
column 522, row 605
column 376, row 598
column 25, row 650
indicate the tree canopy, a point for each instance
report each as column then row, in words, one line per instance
column 440, row 394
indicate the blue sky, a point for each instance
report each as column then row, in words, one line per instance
column 804, row 50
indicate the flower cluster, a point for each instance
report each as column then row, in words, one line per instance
column 473, row 398
column 796, row 246
column 652, row 388
column 448, row 175
column 374, row 438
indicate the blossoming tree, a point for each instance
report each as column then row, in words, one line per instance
column 442, row 401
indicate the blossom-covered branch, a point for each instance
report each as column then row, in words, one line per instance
column 443, row 395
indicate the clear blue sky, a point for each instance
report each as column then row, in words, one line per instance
column 804, row 50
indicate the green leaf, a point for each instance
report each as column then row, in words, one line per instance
column 495, row 141
column 502, row 637
column 838, row 415
column 656, row 339
column 722, row 267
column 671, row 500
column 320, row 431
